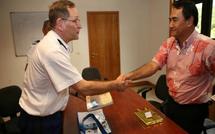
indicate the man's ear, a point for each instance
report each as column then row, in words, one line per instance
column 59, row 24
column 190, row 21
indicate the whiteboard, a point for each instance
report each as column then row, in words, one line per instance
column 26, row 29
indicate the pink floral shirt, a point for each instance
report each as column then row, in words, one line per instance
column 190, row 69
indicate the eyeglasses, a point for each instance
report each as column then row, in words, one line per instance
column 76, row 20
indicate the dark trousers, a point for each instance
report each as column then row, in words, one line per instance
column 189, row 116
column 51, row 124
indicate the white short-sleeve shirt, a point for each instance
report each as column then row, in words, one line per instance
column 48, row 76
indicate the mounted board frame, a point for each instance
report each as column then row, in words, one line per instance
column 26, row 29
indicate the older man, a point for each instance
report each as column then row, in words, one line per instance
column 50, row 76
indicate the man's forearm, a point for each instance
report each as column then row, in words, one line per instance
column 144, row 71
column 98, row 87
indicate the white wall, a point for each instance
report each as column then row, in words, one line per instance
column 143, row 26
column 159, row 20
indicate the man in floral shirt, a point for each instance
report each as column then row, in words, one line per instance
column 190, row 63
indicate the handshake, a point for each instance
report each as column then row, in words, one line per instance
column 85, row 87
column 121, row 83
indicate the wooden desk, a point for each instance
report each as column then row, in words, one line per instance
column 212, row 111
column 120, row 116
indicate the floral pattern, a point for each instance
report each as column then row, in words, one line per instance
column 190, row 69
column 196, row 68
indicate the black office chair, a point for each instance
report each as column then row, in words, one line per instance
column 161, row 92
column 91, row 73
column 9, row 107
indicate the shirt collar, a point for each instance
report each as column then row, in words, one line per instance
column 60, row 40
column 190, row 39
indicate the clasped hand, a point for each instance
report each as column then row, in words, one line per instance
column 122, row 83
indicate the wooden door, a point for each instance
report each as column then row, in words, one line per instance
column 103, row 31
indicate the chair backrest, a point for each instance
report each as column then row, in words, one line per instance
column 161, row 89
column 91, row 73
column 9, row 101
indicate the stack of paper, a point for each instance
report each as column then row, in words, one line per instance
column 98, row 101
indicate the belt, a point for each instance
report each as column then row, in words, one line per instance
column 24, row 113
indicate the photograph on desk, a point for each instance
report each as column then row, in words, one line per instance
column 98, row 101
column 93, row 122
